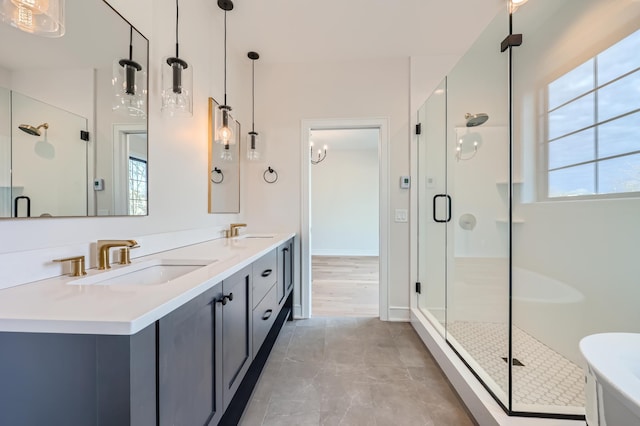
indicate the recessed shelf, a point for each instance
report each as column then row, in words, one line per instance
column 515, row 220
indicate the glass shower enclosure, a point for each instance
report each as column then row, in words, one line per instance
column 528, row 199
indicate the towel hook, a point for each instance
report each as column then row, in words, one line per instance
column 219, row 172
column 271, row 172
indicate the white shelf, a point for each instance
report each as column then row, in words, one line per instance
column 505, row 220
column 506, row 182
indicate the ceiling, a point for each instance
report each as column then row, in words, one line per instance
column 342, row 30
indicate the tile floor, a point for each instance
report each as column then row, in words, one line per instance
column 546, row 378
column 352, row 371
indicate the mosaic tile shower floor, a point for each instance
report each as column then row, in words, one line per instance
column 547, row 378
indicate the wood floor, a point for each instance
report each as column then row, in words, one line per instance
column 345, row 286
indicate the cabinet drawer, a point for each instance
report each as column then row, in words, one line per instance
column 264, row 316
column 265, row 274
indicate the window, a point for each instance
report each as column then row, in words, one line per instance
column 137, row 186
column 593, row 125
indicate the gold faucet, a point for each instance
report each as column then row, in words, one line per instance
column 233, row 229
column 105, row 245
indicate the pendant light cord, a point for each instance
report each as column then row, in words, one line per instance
column 131, row 42
column 177, row 14
column 253, row 95
column 225, row 57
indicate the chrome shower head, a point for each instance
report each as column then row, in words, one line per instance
column 34, row 131
column 474, row 120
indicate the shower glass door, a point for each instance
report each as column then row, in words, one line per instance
column 5, row 152
column 477, row 180
column 576, row 101
column 432, row 117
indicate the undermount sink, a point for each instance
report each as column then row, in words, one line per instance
column 614, row 363
column 241, row 237
column 152, row 272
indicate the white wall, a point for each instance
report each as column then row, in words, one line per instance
column 344, row 204
column 50, row 169
column 178, row 147
column 288, row 93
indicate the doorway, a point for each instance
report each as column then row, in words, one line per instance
column 345, row 221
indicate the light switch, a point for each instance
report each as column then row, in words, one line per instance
column 402, row 215
column 430, row 182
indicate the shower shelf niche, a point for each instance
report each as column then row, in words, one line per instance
column 515, row 220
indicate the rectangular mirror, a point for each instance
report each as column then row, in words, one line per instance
column 73, row 123
column 224, row 164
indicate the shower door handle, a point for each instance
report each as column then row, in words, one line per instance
column 435, row 202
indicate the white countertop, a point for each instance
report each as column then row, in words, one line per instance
column 55, row 306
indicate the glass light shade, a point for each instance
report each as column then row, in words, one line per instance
column 177, row 87
column 39, row 17
column 515, row 4
column 129, row 88
column 224, row 133
column 253, row 146
column 226, row 154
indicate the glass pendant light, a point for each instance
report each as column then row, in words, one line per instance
column 253, row 153
column 177, row 83
column 129, row 84
column 224, row 133
column 40, row 17
column 515, row 4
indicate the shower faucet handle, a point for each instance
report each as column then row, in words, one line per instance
column 77, row 264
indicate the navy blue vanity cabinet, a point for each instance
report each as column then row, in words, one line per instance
column 190, row 361
column 236, row 331
column 78, row 379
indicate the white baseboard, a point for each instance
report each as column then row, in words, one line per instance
column 399, row 314
column 343, row 252
column 297, row 312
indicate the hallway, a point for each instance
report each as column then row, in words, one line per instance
column 352, row 371
column 345, row 286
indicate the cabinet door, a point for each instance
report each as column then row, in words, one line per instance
column 189, row 355
column 236, row 331
column 285, row 273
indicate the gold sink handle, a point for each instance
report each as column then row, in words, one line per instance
column 77, row 265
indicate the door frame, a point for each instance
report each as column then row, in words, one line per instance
column 303, row 310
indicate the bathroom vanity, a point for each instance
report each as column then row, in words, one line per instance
column 176, row 338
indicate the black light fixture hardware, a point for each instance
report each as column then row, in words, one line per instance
column 130, row 67
column 129, row 83
column 512, row 40
column 252, row 138
column 177, row 84
column 224, row 133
